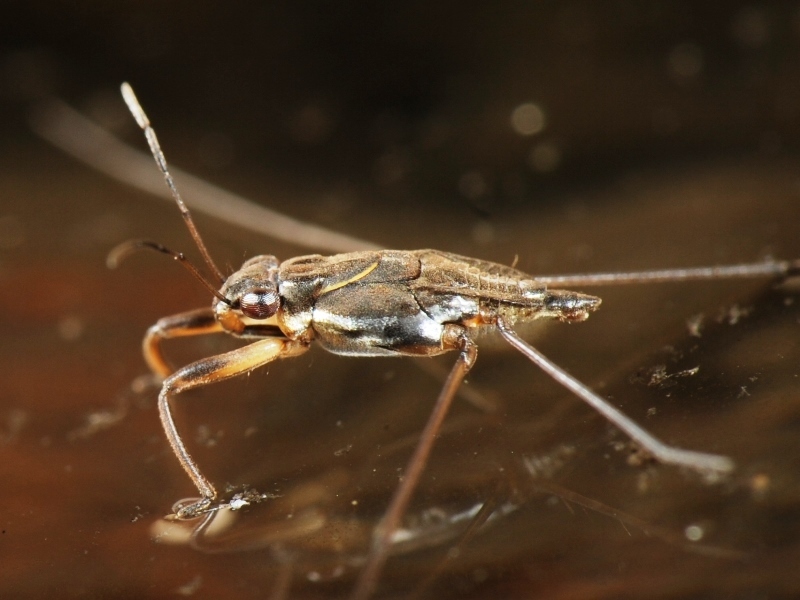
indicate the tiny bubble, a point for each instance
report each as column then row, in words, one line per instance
column 694, row 533
column 686, row 61
column 527, row 119
column 544, row 157
column 312, row 125
column 751, row 27
column 472, row 185
column 70, row 328
column 483, row 233
column 391, row 167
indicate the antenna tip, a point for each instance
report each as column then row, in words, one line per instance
column 118, row 254
column 134, row 106
column 122, row 251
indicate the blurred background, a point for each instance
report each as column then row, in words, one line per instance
column 568, row 136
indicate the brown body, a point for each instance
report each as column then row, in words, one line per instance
column 395, row 302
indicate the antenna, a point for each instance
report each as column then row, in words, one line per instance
column 125, row 249
column 141, row 119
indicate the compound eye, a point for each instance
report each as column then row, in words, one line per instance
column 260, row 304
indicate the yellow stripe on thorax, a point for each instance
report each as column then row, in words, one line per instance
column 353, row 279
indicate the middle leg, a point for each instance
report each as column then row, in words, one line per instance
column 382, row 536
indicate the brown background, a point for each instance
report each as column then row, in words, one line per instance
column 677, row 126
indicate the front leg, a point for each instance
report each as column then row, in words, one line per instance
column 193, row 322
column 211, row 370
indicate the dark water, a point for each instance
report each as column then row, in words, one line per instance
column 676, row 134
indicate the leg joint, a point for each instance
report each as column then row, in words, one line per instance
column 456, row 337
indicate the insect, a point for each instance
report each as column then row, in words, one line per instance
column 384, row 303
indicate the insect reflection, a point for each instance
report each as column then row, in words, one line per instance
column 324, row 541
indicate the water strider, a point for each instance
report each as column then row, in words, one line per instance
column 384, row 303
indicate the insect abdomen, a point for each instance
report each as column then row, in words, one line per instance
column 489, row 291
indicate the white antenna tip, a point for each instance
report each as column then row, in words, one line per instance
column 134, row 106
